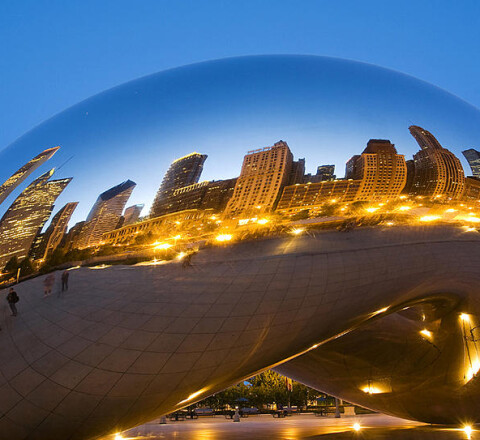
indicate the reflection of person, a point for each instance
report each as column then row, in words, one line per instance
column 12, row 299
column 65, row 275
column 48, row 284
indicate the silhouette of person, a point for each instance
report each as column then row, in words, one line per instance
column 12, row 299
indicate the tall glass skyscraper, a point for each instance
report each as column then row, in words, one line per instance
column 438, row 172
column 26, row 217
column 182, row 172
column 105, row 214
column 473, row 158
column 22, row 173
column 46, row 243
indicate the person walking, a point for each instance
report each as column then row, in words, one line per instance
column 12, row 299
column 65, row 276
column 48, row 284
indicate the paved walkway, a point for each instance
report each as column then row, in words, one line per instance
column 297, row 427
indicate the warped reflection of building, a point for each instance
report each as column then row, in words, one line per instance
column 264, row 174
column 25, row 218
column 182, row 172
column 105, row 214
column 382, row 172
column 167, row 222
column 473, row 158
column 47, row 242
column 378, row 174
column 22, row 173
column 438, row 172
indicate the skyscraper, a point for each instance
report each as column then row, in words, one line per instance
column 325, row 173
column 131, row 214
column 25, row 218
column 22, row 173
column 264, row 174
column 104, row 215
column 473, row 158
column 383, row 172
column 52, row 237
column 438, row 172
column 182, row 172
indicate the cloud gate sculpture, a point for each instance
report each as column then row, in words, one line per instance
column 165, row 243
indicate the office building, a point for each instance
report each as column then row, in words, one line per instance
column 264, row 174
column 438, row 172
column 22, row 173
column 132, row 214
column 51, row 239
column 25, row 218
column 473, row 158
column 381, row 170
column 298, row 172
column 104, row 215
column 326, row 173
column 312, row 196
column 183, row 172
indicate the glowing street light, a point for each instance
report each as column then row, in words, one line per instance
column 468, row 430
column 356, row 427
column 162, row 246
column 297, row 231
column 426, row 333
column 429, row 218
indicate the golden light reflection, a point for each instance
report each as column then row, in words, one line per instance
column 426, row 333
column 223, row 237
column 371, row 389
column 377, row 312
column 263, row 221
column 192, row 396
column 297, row 231
column 161, row 246
column 429, row 218
column 468, row 431
column 372, row 209
column 357, row 427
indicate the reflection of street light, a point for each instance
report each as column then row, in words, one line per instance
column 223, row 237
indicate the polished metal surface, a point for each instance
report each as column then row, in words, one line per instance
column 383, row 312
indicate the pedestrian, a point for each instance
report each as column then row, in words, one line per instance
column 48, row 284
column 65, row 276
column 12, row 299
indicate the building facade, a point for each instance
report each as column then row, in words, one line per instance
column 326, row 173
column 104, row 215
column 22, row 173
column 473, row 158
column 51, row 239
column 183, row 172
column 381, row 170
column 132, row 214
column 264, row 174
column 128, row 234
column 312, row 196
column 25, row 218
column 438, row 172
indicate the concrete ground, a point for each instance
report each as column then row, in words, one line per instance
column 304, row 426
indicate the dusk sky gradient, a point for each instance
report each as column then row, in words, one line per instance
column 56, row 53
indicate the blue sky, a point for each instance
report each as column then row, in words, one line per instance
column 55, row 53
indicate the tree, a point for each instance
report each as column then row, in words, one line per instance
column 12, row 265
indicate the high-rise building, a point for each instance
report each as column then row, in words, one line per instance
column 326, row 173
column 472, row 189
column 182, row 172
column 104, row 215
column 203, row 195
column 132, row 214
column 438, row 172
column 473, row 158
column 26, row 217
column 264, row 174
column 383, row 172
column 22, row 173
column 298, row 172
column 49, row 241
column 312, row 196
